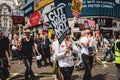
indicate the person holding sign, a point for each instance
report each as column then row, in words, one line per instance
column 65, row 58
column 87, row 56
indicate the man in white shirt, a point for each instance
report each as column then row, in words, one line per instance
column 87, row 58
column 65, row 58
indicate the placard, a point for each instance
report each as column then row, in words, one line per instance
column 59, row 22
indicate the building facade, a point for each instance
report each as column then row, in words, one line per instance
column 6, row 7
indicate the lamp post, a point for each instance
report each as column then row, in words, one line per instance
column 18, row 6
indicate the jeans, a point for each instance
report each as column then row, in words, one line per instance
column 67, row 72
column 108, row 51
column 28, row 65
column 88, row 63
column 79, row 64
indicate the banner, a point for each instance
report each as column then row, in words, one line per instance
column 91, row 24
column 76, row 8
column 59, row 22
column 41, row 3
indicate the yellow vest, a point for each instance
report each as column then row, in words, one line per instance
column 117, row 53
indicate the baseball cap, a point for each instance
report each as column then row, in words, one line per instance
column 87, row 31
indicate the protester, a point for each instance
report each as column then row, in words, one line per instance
column 14, row 46
column 27, row 49
column 19, row 51
column 86, row 55
column 42, row 38
column 46, row 48
column 108, row 49
column 65, row 58
column 117, row 54
column 54, row 51
column 77, row 51
column 4, row 56
column 38, row 50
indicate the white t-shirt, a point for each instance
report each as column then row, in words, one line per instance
column 84, row 49
column 106, row 42
column 55, row 46
column 64, row 60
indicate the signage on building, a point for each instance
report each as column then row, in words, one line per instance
column 58, row 20
column 103, row 22
column 41, row 3
column 76, row 7
column 95, row 7
column 28, row 9
column 101, row 8
column 35, row 18
column 18, row 20
column 17, row 12
column 67, row 7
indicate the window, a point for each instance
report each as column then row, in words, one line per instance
column 5, row 25
column 10, row 25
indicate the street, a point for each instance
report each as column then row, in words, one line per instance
column 99, row 71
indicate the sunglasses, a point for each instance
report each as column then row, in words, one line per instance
column 87, row 33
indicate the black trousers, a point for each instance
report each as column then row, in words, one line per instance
column 67, row 72
column 28, row 65
column 47, row 55
column 88, row 63
column 4, row 73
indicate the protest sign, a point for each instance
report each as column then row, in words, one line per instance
column 76, row 7
column 59, row 22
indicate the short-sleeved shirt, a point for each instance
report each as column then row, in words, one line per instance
column 106, row 42
column 38, row 42
column 27, row 47
column 4, row 45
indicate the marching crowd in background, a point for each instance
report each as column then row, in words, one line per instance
column 84, row 46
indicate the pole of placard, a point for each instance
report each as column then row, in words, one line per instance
column 19, row 31
column 72, row 27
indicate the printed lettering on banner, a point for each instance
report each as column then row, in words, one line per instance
column 59, row 22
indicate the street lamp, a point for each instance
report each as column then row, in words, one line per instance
column 18, row 6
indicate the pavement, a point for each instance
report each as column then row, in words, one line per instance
column 106, row 71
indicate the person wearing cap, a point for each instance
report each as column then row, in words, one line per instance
column 27, row 49
column 87, row 58
column 4, row 56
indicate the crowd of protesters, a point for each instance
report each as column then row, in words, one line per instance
column 84, row 46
